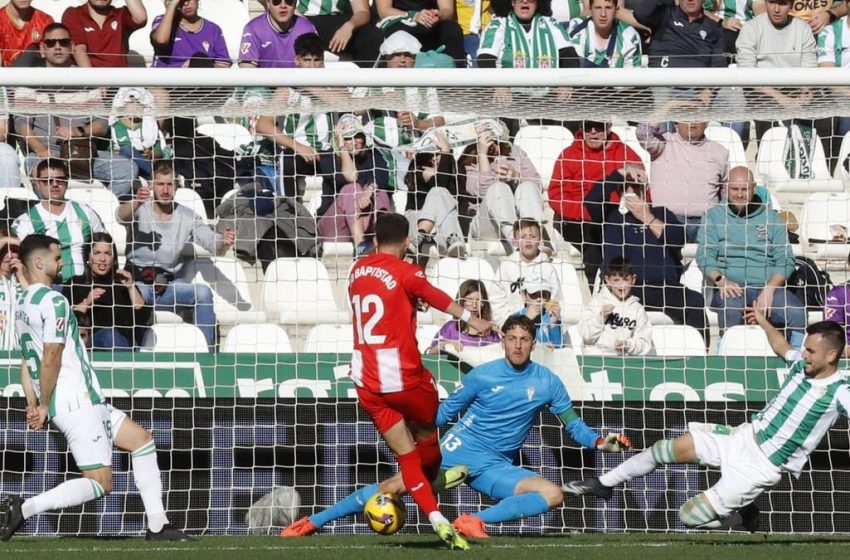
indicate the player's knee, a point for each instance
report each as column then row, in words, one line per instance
column 103, row 477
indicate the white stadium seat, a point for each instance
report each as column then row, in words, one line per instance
column 745, row 340
column 449, row 273
column 188, row 197
column 425, row 334
column 543, row 144
column 628, row 136
column 105, row 204
column 330, row 339
column 175, row 337
column 572, row 293
column 228, row 135
column 229, row 284
column 730, row 140
column 259, row 338
column 231, row 16
column 677, row 340
column 298, row 290
column 770, row 166
column 822, row 211
column 841, row 172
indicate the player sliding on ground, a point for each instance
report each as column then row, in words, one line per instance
column 752, row 456
column 60, row 385
column 502, row 399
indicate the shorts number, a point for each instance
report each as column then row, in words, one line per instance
column 30, row 355
column 452, row 442
column 364, row 332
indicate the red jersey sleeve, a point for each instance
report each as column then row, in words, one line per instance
column 417, row 285
column 71, row 20
column 127, row 22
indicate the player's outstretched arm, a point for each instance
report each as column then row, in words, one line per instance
column 776, row 339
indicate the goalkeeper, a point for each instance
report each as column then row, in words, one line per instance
column 752, row 456
column 502, row 399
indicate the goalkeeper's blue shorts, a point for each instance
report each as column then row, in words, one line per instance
column 489, row 473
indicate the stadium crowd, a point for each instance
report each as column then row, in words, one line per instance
column 628, row 216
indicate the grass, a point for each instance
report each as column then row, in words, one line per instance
column 368, row 547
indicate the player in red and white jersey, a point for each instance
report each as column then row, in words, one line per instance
column 393, row 386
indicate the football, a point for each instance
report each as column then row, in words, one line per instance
column 385, row 513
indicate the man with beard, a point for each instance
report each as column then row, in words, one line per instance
column 101, row 32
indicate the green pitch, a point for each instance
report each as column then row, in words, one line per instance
column 369, row 547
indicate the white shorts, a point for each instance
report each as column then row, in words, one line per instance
column 745, row 471
column 90, row 433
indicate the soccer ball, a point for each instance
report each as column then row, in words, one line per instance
column 385, row 513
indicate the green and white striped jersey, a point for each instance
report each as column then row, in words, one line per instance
column 834, row 43
column 514, row 47
column 793, row 423
column 73, row 227
column 568, row 10
column 626, row 51
column 323, row 7
column 739, row 9
column 10, row 291
column 44, row 317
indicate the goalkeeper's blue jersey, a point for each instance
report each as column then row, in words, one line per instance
column 503, row 404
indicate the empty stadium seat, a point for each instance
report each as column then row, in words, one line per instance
column 175, row 337
column 228, row 135
column 330, row 339
column 543, row 144
column 821, row 211
column 425, row 334
column 231, row 16
column 188, row 197
column 730, row 140
column 572, row 292
column 298, row 290
column 54, row 8
column 449, row 273
column 259, row 338
column 842, row 172
column 105, row 204
column 771, row 171
column 229, row 284
column 677, row 340
column 745, row 340
column 21, row 193
column 628, row 136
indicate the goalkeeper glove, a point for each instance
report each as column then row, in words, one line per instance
column 613, row 442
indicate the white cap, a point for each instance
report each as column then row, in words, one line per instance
column 536, row 284
column 350, row 126
column 400, row 42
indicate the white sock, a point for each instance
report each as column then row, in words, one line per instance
column 149, row 484
column 639, row 465
column 68, row 494
column 733, row 520
column 436, row 518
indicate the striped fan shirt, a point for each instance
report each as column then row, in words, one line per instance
column 794, row 422
column 514, row 47
column 73, row 227
column 10, row 291
column 739, row 9
column 323, row 7
column 626, row 52
column 567, row 10
column 834, row 43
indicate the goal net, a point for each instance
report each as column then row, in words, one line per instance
column 246, row 387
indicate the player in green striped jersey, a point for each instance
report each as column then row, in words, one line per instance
column 752, row 457
column 60, row 385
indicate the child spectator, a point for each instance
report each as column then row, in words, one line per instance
column 472, row 295
column 543, row 310
column 615, row 321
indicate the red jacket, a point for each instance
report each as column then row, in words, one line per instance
column 578, row 168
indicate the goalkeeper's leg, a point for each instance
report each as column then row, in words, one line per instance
column 666, row 451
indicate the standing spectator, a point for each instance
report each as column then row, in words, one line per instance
column 604, row 41
column 834, row 51
column 137, row 138
column 681, row 35
column 473, row 17
column 268, row 40
column 818, row 13
column 181, row 34
column 472, row 296
column 72, row 223
column 109, row 298
column 432, row 22
column 687, row 173
column 503, row 184
column 10, row 169
column 101, row 32
column 732, row 15
column 159, row 229
column 595, row 153
column 345, row 27
column 21, row 29
column 360, row 189
column 744, row 251
column 10, row 290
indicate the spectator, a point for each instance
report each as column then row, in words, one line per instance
column 159, row 229
column 181, row 34
column 432, row 22
column 72, row 223
column 268, row 40
column 732, row 15
column 10, row 290
column 43, row 134
column 595, row 153
column 10, row 173
column 615, row 322
column 360, row 184
column 687, row 172
column 345, row 27
column 109, row 298
column 837, row 308
column 603, row 41
column 472, row 296
column 137, row 138
column 472, row 17
column 744, row 251
column 543, row 310
column 21, row 29
column 101, row 32
column 651, row 239
column 818, row 14
column 834, row 51
column 432, row 183
column 503, row 183
column 527, row 261
column 681, row 36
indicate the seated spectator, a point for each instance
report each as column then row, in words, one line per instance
column 472, row 295
column 108, row 298
column 732, row 15
column 687, row 172
column 818, row 14
column 615, row 322
column 432, row 184
column 504, row 185
column 72, row 223
column 181, row 34
column 543, row 310
column 834, row 51
column 432, row 22
column 137, row 138
column 602, row 41
column 10, row 290
column 10, row 169
column 268, row 40
column 21, row 29
column 360, row 184
column 595, row 154
column 101, row 32
column 837, row 308
column 45, row 135
column 159, row 228
column 681, row 36
column 345, row 27
column 744, row 251
column 651, row 239
column 84, row 326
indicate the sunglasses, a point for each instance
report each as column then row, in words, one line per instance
column 66, row 42
column 591, row 126
column 540, row 295
column 290, row 3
